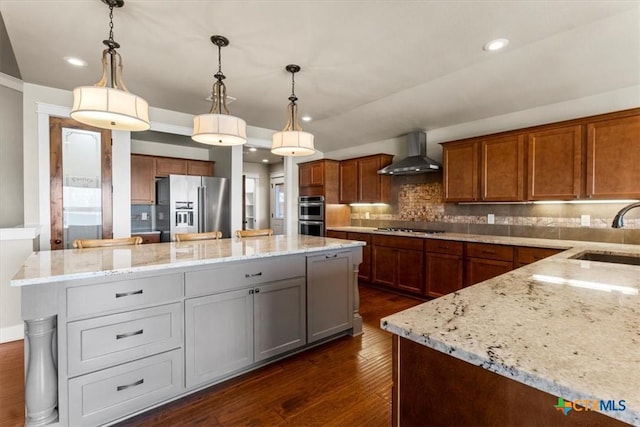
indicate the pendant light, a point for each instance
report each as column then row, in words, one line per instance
column 292, row 141
column 218, row 127
column 108, row 104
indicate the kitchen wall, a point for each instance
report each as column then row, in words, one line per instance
column 419, row 203
column 11, row 181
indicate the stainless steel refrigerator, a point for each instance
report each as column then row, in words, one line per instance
column 192, row 204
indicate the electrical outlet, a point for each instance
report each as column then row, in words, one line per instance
column 144, row 216
column 367, row 215
column 585, row 220
column 491, row 219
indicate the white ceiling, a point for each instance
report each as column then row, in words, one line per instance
column 371, row 70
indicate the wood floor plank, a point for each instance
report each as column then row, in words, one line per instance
column 346, row 382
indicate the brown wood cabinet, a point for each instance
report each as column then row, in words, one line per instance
column 199, row 168
column 166, row 166
column 502, row 169
column 444, row 267
column 360, row 182
column 398, row 262
column 143, row 191
column 485, row 261
column 337, row 234
column 460, row 162
column 526, row 255
column 145, row 169
column 319, row 178
column 613, row 158
column 497, row 175
column 554, row 164
column 428, row 386
column 590, row 157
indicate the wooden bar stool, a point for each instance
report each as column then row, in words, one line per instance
column 104, row 243
column 254, row 233
column 183, row 237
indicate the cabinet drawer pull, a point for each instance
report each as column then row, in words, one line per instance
column 443, row 247
column 253, row 275
column 331, row 256
column 128, row 294
column 124, row 387
column 257, row 290
column 129, row 334
column 488, row 252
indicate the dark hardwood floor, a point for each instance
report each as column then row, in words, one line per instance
column 346, row 382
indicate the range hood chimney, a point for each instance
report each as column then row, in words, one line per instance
column 416, row 161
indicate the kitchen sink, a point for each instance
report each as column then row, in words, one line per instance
column 611, row 258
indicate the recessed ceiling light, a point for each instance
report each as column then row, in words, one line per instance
column 306, row 118
column 253, row 149
column 265, row 160
column 496, row 44
column 75, row 61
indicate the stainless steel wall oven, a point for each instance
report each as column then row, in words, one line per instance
column 311, row 215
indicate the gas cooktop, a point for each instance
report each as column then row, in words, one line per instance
column 409, row 230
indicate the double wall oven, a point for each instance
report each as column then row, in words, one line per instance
column 311, row 215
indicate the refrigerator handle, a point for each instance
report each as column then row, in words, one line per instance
column 201, row 210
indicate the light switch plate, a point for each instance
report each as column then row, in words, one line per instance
column 585, row 220
column 491, row 219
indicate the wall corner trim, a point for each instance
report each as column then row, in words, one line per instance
column 11, row 82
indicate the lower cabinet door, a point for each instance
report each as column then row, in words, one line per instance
column 444, row 274
column 330, row 278
column 218, row 335
column 280, row 317
column 384, row 265
column 409, row 275
column 112, row 393
column 479, row 270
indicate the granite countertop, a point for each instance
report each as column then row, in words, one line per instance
column 55, row 266
column 134, row 233
column 568, row 327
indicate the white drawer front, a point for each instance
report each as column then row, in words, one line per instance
column 104, row 341
column 116, row 392
column 243, row 274
column 123, row 294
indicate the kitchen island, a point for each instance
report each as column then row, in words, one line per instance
column 112, row 332
column 505, row 351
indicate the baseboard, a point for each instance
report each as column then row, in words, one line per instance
column 11, row 333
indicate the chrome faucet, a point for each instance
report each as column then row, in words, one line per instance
column 617, row 220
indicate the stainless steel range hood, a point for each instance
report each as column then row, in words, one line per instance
column 417, row 161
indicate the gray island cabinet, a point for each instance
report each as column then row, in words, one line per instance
column 112, row 332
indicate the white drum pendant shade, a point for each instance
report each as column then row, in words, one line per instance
column 219, row 129
column 110, row 108
column 292, row 143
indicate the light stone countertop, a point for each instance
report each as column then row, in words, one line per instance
column 56, row 266
column 568, row 327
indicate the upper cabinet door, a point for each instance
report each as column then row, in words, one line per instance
column 199, row 168
column 311, row 174
column 502, row 169
column 369, row 182
column 143, row 189
column 613, row 158
column 460, row 163
column 554, row 164
column 166, row 166
column 349, row 181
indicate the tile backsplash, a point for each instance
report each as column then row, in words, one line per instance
column 142, row 218
column 419, row 203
